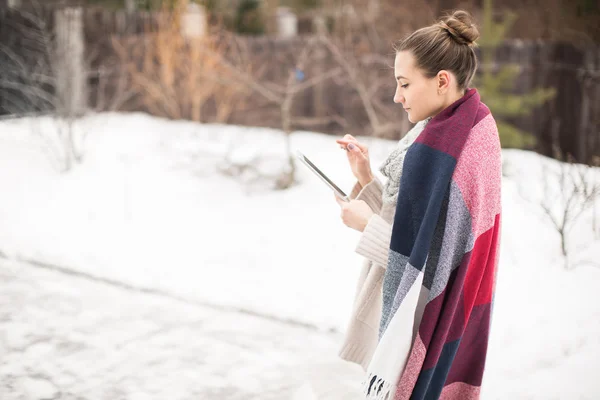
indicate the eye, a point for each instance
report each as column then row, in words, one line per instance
column 404, row 86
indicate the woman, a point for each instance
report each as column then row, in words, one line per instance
column 430, row 236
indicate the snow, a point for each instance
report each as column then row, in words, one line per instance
column 80, row 338
column 148, row 207
column 37, row 388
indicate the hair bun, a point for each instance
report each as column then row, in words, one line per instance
column 460, row 27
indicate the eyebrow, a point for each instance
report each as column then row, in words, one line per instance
column 400, row 77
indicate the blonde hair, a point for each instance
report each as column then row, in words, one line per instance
column 448, row 45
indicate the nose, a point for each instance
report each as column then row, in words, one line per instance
column 398, row 98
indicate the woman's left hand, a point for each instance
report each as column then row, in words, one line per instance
column 355, row 213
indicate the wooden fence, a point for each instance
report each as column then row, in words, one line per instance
column 573, row 116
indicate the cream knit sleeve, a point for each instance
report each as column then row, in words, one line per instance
column 371, row 194
column 375, row 240
column 374, row 243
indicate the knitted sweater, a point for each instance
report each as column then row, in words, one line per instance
column 361, row 335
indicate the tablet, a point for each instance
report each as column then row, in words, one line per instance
column 338, row 192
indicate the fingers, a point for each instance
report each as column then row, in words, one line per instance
column 346, row 145
column 355, row 152
column 352, row 139
column 343, row 144
column 346, row 142
column 343, row 208
column 347, row 139
column 363, row 147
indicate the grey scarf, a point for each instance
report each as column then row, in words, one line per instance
column 392, row 167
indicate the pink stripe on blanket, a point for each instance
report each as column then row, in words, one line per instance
column 409, row 377
column 460, row 391
column 478, row 174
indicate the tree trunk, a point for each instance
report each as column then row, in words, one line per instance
column 584, row 130
column 69, row 62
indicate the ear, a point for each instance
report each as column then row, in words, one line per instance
column 443, row 81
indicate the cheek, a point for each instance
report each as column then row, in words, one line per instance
column 421, row 102
column 425, row 98
column 417, row 94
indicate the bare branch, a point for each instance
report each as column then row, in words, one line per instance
column 319, row 121
column 577, row 193
column 350, row 66
column 317, row 79
column 31, row 92
column 247, row 79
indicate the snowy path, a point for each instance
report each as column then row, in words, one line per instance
column 67, row 337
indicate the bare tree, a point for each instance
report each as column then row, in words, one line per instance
column 569, row 191
column 280, row 94
column 360, row 42
column 49, row 77
column 360, row 67
column 578, row 191
column 32, row 80
column 206, row 78
column 363, row 74
column 173, row 73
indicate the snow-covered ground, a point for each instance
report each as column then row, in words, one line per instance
column 149, row 208
column 72, row 338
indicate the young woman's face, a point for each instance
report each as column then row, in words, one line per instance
column 417, row 93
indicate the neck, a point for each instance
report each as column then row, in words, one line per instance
column 450, row 99
column 453, row 98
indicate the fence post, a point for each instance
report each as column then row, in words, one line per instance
column 287, row 23
column 193, row 21
column 130, row 5
column 70, row 68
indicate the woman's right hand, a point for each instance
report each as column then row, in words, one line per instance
column 358, row 158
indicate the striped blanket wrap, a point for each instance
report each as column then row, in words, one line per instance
column 444, row 250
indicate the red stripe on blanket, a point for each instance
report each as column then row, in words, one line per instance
column 479, row 284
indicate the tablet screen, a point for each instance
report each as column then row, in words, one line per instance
column 321, row 174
